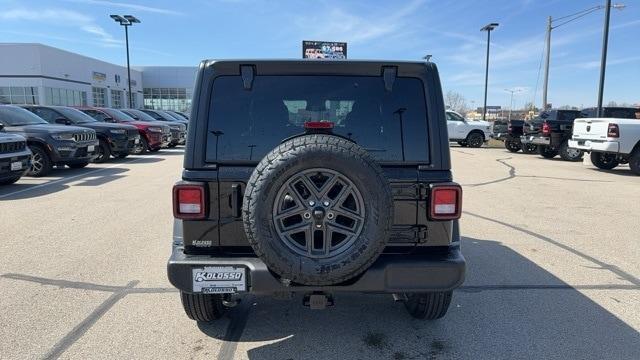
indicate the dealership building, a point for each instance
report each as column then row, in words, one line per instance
column 41, row 74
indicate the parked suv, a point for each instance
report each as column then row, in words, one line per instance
column 15, row 157
column 467, row 133
column 153, row 136
column 113, row 139
column 551, row 132
column 50, row 144
column 316, row 177
column 178, row 129
column 612, row 139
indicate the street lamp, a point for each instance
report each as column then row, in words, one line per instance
column 512, row 91
column 488, row 28
column 126, row 21
column 567, row 19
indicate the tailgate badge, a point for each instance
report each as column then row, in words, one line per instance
column 588, row 127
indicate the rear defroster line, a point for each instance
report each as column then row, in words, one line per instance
column 614, row 269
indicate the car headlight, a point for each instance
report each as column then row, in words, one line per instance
column 154, row 129
column 62, row 136
column 118, row 131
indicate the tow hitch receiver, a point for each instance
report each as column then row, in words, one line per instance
column 317, row 300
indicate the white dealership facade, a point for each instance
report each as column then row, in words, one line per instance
column 41, row 74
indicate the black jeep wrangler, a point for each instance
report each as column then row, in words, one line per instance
column 316, row 177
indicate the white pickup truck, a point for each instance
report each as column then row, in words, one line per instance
column 611, row 141
column 465, row 132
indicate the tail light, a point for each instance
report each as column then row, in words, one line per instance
column 546, row 129
column 315, row 125
column 613, row 130
column 445, row 202
column 189, row 201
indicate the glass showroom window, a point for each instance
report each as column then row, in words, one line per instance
column 65, row 97
column 18, row 95
column 116, row 99
column 99, row 96
column 178, row 99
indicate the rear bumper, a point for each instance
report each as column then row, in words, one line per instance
column 598, row 146
column 536, row 140
column 389, row 274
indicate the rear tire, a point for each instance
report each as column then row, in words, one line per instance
column 428, row 306
column 475, row 140
column 569, row 154
column 604, row 161
column 122, row 156
column 202, row 307
column 546, row 152
column 634, row 162
column 529, row 149
column 512, row 145
column 41, row 164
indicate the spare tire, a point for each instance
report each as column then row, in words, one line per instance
column 318, row 210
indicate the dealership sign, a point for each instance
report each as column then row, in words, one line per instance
column 324, row 50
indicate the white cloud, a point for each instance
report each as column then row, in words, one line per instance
column 143, row 8
column 60, row 17
column 341, row 24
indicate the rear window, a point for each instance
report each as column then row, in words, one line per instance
column 247, row 124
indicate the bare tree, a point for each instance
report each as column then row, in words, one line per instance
column 456, row 102
column 612, row 104
column 530, row 107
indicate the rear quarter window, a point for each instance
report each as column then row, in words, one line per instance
column 244, row 125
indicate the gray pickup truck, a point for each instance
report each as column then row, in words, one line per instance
column 316, row 178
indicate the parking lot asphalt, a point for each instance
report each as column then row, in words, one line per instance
column 553, row 272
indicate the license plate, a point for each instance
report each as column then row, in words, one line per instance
column 90, row 148
column 219, row 279
column 17, row 165
column 136, row 141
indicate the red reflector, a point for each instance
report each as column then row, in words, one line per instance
column 446, row 202
column 318, row 125
column 613, row 130
column 188, row 202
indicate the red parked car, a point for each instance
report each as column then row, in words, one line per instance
column 153, row 136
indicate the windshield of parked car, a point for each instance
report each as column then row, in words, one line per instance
column 139, row 115
column 245, row 125
column 75, row 115
column 119, row 115
column 15, row 116
column 168, row 116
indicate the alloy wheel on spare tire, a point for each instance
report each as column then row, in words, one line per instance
column 604, row 161
column 569, row 154
column 475, row 140
column 318, row 210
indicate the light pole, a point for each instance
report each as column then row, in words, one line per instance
column 488, row 28
column 512, row 91
column 565, row 20
column 126, row 21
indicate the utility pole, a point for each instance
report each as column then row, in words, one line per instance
column 603, row 61
column 546, row 66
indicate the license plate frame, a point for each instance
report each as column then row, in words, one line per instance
column 219, row 279
column 16, row 165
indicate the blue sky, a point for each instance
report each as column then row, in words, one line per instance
column 184, row 32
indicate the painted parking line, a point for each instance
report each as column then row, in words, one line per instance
column 84, row 174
